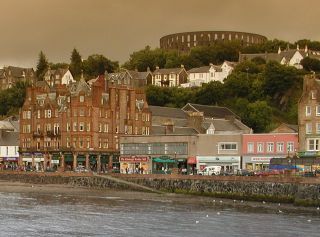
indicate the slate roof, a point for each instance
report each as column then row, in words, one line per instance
column 221, row 125
column 9, row 138
column 18, row 71
column 209, row 110
column 167, row 112
column 161, row 130
column 168, row 70
column 6, row 125
column 199, row 69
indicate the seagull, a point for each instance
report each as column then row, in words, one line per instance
column 280, row 211
column 234, row 200
column 263, row 202
column 218, row 213
column 318, row 208
column 197, row 222
column 214, row 200
column 279, row 204
column 309, row 220
column 207, row 215
column 241, row 200
column 220, row 201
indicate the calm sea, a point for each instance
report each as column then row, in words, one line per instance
column 23, row 214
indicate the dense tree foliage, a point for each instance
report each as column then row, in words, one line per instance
column 311, row 64
column 12, row 99
column 97, row 64
column 262, row 94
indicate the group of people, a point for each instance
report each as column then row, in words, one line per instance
column 137, row 170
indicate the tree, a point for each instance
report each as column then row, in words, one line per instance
column 97, row 64
column 311, row 64
column 55, row 66
column 258, row 116
column 42, row 66
column 75, row 64
column 210, row 94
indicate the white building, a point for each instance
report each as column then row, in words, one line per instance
column 9, row 143
column 59, row 76
column 206, row 74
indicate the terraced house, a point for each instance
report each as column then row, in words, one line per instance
column 11, row 75
column 65, row 126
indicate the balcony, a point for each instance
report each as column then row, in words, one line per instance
column 37, row 134
column 51, row 133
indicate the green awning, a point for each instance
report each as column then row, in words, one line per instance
column 104, row 159
column 81, row 158
column 160, row 160
column 68, row 158
column 93, row 159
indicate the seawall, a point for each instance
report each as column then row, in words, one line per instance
column 297, row 190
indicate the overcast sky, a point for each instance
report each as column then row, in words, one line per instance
column 116, row 28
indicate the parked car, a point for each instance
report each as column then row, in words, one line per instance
column 243, row 172
column 210, row 170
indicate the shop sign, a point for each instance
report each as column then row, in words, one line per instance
column 26, row 155
column 134, row 159
column 261, row 159
column 10, row 158
column 54, row 161
column 38, row 155
column 38, row 160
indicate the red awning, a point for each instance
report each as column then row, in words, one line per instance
column 192, row 160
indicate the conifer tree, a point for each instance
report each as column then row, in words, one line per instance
column 75, row 64
column 42, row 66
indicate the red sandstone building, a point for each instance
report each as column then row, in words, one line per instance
column 70, row 125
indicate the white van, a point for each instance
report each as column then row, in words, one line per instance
column 210, row 170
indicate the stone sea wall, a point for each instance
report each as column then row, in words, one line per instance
column 298, row 191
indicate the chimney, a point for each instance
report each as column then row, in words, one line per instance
column 298, row 47
column 157, row 67
column 195, row 120
column 306, row 49
column 148, row 69
column 182, row 66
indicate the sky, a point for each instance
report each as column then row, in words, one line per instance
column 117, row 28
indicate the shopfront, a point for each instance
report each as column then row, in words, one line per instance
column 227, row 163
column 10, row 162
column 256, row 163
column 163, row 165
column 38, row 160
column 27, row 160
column 68, row 161
column 135, row 164
column 55, row 160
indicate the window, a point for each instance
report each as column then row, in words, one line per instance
column 137, row 116
column 318, row 128
column 100, row 143
column 68, row 142
column 68, row 127
column 270, row 146
column 250, row 147
column 313, row 144
column 117, row 129
column 81, row 112
column 313, row 94
column 39, row 114
column 280, row 147
column 308, row 110
column 290, row 146
column 228, row 147
column 308, row 128
column 260, row 147
column 88, row 127
column 88, row 142
column 81, row 98
column 81, row 126
column 74, row 126
column 106, row 127
column 318, row 110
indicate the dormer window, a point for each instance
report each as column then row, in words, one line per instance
column 81, row 98
column 41, row 102
column 313, row 95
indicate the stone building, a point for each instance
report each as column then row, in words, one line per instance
column 309, row 117
column 70, row 125
column 11, row 75
column 187, row 40
column 169, row 77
